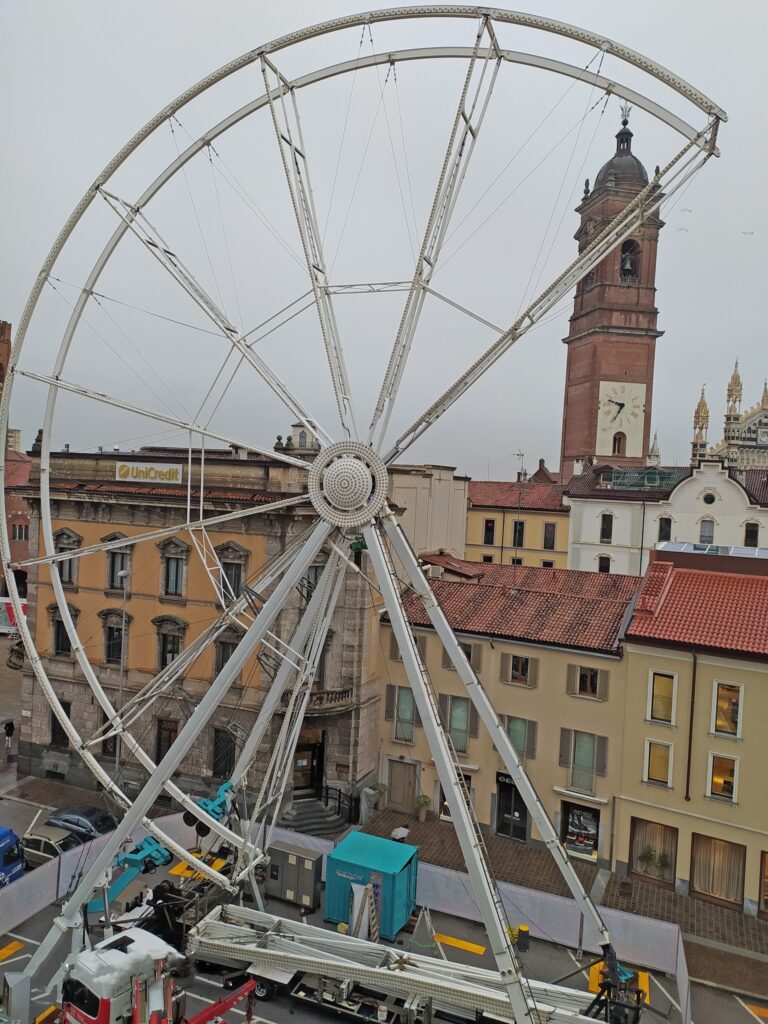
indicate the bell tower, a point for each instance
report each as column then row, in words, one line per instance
column 612, row 336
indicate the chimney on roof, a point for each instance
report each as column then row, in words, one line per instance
column 116, row 448
column 522, row 476
column 66, row 447
column 101, row 447
column 578, row 467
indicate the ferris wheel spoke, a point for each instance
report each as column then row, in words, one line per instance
column 479, row 81
column 136, row 222
column 118, row 403
column 645, row 204
column 281, row 97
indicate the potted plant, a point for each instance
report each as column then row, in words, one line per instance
column 647, row 858
column 381, row 789
column 422, row 805
column 663, row 861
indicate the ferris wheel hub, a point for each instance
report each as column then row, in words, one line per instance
column 348, row 484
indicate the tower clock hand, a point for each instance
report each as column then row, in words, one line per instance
column 618, row 411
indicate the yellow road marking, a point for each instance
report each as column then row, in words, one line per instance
column 759, row 1011
column 448, row 940
column 47, row 1015
column 10, row 949
column 184, row 870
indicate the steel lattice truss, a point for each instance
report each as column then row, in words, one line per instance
column 347, row 481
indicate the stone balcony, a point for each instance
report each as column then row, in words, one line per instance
column 326, row 702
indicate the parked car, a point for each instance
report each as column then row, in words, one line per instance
column 88, row 822
column 44, row 842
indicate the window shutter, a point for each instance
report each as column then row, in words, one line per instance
column 533, row 671
column 602, row 684
column 477, row 657
column 530, row 740
column 601, row 758
column 473, row 721
column 565, row 748
column 572, row 682
column 442, row 704
column 447, row 663
column 394, row 650
column 389, row 704
column 416, row 716
column 421, row 646
column 506, row 668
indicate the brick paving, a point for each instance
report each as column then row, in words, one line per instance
column 534, row 868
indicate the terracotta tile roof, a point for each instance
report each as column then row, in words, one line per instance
column 544, row 497
column 588, row 485
column 17, row 466
column 606, row 586
column 716, row 611
column 755, row 484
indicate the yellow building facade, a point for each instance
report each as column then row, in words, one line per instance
column 523, row 523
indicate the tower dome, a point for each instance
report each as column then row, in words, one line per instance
column 623, row 169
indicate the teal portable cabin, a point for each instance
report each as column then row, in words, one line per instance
column 390, row 867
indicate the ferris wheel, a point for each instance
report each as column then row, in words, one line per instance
column 136, row 215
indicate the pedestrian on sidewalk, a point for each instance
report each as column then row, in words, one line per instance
column 9, row 730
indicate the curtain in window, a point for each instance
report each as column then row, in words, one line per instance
column 654, row 849
column 404, row 721
column 516, row 730
column 584, row 761
column 459, row 723
column 718, row 868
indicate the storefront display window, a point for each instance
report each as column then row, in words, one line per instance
column 581, row 830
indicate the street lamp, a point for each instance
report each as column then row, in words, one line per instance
column 123, row 576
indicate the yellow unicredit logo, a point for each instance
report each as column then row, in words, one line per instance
column 148, row 471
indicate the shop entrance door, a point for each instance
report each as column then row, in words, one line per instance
column 511, row 812
column 307, row 769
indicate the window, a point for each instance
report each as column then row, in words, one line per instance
column 726, row 709
column 302, row 439
column 59, row 736
column 20, row 531
column 585, row 755
column 717, row 869
column 113, row 645
column 109, row 746
column 723, row 777
column 661, row 698
column 225, row 648
column 400, row 708
column 234, row 561
column 117, row 568
column 653, row 851
column 174, row 575
column 707, row 531
column 751, row 531
column 223, row 763
column 489, row 531
column 518, row 534
column 67, row 540
column 472, row 652
column 547, row 564
column 421, row 647
column 167, row 731
column 549, row 536
column 459, row 718
column 445, row 812
column 515, row 561
column 629, row 262
column 619, row 445
column 606, row 528
column 76, row 993
column 665, row 529
column 170, row 634
column 515, row 668
column 586, row 681
column 658, row 762
column 522, row 733
column 763, row 904
column 487, row 558
column 709, row 498
column 604, row 563
column 314, row 572
column 62, row 647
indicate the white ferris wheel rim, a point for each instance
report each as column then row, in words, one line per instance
column 694, row 136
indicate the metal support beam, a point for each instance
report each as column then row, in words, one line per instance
column 449, row 772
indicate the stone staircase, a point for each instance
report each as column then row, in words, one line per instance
column 312, row 817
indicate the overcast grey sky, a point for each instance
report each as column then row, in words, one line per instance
column 79, row 78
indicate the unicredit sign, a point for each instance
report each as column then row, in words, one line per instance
column 148, row 472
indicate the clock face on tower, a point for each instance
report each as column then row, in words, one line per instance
column 621, row 411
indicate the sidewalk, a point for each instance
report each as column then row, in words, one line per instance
column 723, row 947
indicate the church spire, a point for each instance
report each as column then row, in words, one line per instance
column 700, row 426
column 764, row 401
column 654, row 454
column 734, row 390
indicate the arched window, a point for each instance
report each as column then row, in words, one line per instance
column 629, row 261
column 619, row 443
column 707, row 531
column 302, row 439
column 170, row 638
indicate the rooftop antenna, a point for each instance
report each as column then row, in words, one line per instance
column 515, row 526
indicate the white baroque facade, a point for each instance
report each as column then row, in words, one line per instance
column 613, row 528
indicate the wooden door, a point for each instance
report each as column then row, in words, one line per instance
column 402, row 786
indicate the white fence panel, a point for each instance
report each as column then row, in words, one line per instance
column 28, row 895
column 73, row 864
column 683, row 981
